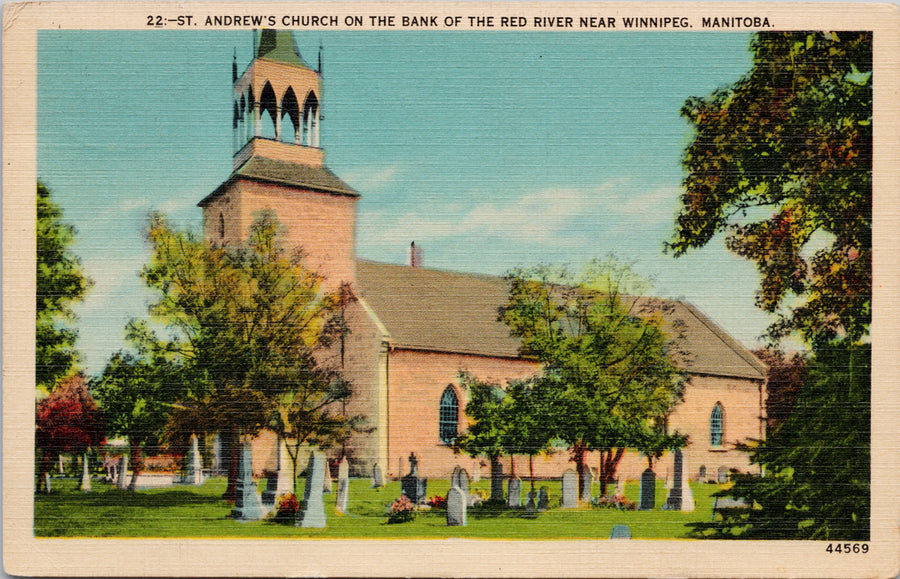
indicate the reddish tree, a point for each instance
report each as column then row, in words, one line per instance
column 67, row 421
column 785, row 379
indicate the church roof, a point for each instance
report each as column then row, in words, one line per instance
column 315, row 178
column 279, row 45
column 434, row 310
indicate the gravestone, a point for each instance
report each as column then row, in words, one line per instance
column 456, row 507
column 194, row 473
column 514, row 492
column 668, row 480
column 343, row 486
column 587, row 478
column 271, row 492
column 312, row 515
column 411, row 485
column 216, row 466
column 47, row 482
column 620, row 532
column 701, row 476
column 620, row 487
column 543, row 500
column 680, row 497
column 285, row 469
column 377, row 476
column 531, row 503
column 123, row 473
column 497, row 483
column 460, row 478
column 569, row 489
column 476, row 472
column 723, row 474
column 247, row 502
column 85, row 474
column 647, row 500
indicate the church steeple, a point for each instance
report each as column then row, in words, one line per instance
column 276, row 103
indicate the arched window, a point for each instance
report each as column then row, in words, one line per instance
column 715, row 426
column 268, row 113
column 290, row 118
column 449, row 416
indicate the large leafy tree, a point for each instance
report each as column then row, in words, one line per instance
column 67, row 421
column 251, row 327
column 781, row 163
column 138, row 395
column 59, row 283
column 487, row 434
column 608, row 375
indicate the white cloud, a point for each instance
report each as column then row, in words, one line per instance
column 368, row 179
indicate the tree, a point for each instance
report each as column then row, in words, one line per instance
column 59, row 283
column 487, row 434
column 138, row 395
column 607, row 375
column 251, row 327
column 817, row 462
column 781, row 163
column 784, row 379
column 67, row 421
column 527, row 432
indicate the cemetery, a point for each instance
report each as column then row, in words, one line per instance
column 191, row 505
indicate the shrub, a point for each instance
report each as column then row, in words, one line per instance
column 620, row 503
column 402, row 511
column 286, row 508
column 438, row 502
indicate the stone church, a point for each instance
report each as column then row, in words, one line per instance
column 413, row 329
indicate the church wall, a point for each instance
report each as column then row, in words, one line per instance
column 321, row 225
column 364, row 367
column 417, row 380
column 742, row 412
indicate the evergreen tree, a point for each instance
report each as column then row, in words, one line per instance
column 59, row 283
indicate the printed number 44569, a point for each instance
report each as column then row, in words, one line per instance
column 847, row 548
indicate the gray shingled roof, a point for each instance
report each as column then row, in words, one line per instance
column 454, row 312
column 285, row 173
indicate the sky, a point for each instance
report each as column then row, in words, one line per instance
column 489, row 150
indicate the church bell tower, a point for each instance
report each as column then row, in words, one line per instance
column 279, row 163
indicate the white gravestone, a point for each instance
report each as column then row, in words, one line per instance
column 343, row 489
column 456, row 507
column 569, row 489
column 313, row 513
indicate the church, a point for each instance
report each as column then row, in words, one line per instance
column 413, row 329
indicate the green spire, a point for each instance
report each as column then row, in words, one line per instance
column 279, row 45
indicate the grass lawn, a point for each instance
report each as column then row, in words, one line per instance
column 186, row 511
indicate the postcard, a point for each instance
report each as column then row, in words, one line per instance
column 450, row 289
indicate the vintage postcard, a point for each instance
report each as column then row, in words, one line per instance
column 450, row 289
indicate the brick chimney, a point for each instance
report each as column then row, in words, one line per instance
column 414, row 256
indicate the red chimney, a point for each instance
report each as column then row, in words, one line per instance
column 414, row 255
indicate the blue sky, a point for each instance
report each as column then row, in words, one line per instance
column 490, row 150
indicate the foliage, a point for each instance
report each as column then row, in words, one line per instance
column 616, row 502
column 401, row 511
column 784, row 379
column 68, row 420
column 817, row 462
column 437, row 502
column 608, row 378
column 138, row 395
column 249, row 326
column 781, row 163
column 286, row 508
column 60, row 281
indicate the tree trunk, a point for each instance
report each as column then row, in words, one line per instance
column 135, row 465
column 44, row 470
column 609, row 463
column 512, row 466
column 578, row 453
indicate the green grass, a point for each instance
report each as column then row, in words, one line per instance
column 200, row 512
